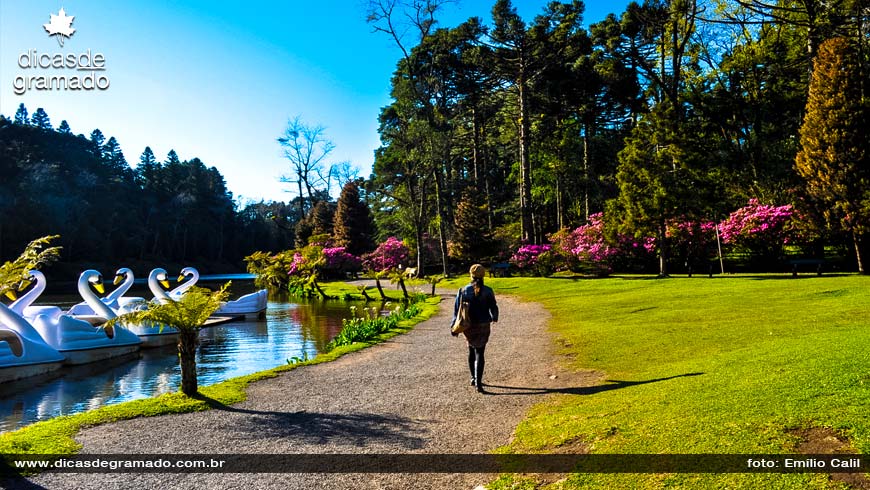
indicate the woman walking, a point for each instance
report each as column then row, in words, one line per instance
column 483, row 311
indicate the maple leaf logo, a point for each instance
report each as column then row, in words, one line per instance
column 60, row 26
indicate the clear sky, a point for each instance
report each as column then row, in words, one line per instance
column 218, row 80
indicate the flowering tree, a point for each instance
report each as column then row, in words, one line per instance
column 757, row 227
column 388, row 258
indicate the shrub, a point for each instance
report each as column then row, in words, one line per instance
column 389, row 255
column 534, row 258
column 337, row 262
column 758, row 228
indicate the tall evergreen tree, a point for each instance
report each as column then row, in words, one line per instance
column 40, row 119
column 834, row 159
column 353, row 227
column 172, row 158
column 21, row 115
column 472, row 241
column 97, row 141
column 322, row 216
column 64, row 128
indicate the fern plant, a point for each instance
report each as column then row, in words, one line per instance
column 14, row 274
column 187, row 315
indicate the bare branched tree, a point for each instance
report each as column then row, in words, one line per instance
column 306, row 147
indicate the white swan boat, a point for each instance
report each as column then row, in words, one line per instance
column 115, row 300
column 77, row 339
column 153, row 335
column 23, row 352
column 190, row 276
column 251, row 306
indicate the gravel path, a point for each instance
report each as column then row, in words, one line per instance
column 408, row 395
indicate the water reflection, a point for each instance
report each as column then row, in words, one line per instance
column 290, row 329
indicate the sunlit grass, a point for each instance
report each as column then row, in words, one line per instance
column 698, row 365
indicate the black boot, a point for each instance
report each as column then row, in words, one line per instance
column 471, row 358
column 478, row 369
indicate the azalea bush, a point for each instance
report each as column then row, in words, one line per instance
column 388, row 260
column 337, row 262
column 535, row 259
column 757, row 228
column 390, row 255
column 588, row 249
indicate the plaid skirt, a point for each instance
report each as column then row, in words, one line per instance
column 477, row 335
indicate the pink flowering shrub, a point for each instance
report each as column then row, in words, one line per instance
column 587, row 248
column 759, row 228
column 337, row 261
column 527, row 255
column 692, row 242
column 389, row 256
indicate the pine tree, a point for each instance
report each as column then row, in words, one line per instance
column 472, row 241
column 97, row 139
column 172, row 158
column 40, row 119
column 353, row 225
column 64, row 128
column 146, row 171
column 321, row 217
column 21, row 115
column 834, row 159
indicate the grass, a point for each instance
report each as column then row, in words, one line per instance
column 731, row 364
column 55, row 436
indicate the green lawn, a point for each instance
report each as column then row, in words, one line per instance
column 696, row 365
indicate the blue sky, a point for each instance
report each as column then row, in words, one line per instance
column 219, row 80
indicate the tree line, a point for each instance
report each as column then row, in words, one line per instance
column 82, row 188
column 501, row 133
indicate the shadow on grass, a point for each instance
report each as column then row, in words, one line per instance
column 582, row 390
column 357, row 429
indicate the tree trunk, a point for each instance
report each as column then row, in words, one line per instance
column 525, row 164
column 475, row 152
column 301, row 200
column 187, row 342
column 380, row 288
column 404, row 289
column 586, row 171
column 663, row 249
column 442, row 232
column 858, row 246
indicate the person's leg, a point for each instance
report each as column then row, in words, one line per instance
column 479, row 364
column 471, row 358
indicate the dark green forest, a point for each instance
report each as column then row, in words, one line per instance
column 504, row 131
column 83, row 188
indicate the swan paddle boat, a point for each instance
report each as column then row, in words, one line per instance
column 250, row 306
column 151, row 335
column 23, row 352
column 22, row 306
column 190, row 276
column 115, row 300
column 79, row 340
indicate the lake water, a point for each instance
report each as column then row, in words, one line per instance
column 292, row 328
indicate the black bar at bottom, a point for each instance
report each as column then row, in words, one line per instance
column 435, row 463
